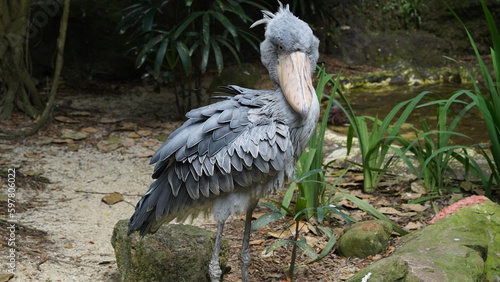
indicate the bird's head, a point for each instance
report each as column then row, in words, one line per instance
column 290, row 52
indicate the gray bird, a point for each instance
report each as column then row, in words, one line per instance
column 229, row 154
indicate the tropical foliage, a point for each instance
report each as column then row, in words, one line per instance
column 181, row 48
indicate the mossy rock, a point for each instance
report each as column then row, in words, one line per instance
column 176, row 252
column 365, row 238
column 461, row 247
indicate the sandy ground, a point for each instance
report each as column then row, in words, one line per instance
column 70, row 209
column 69, row 227
column 78, row 223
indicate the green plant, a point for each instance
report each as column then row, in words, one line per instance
column 310, row 190
column 409, row 10
column 375, row 144
column 432, row 149
column 310, row 170
column 181, row 46
column 488, row 103
column 298, row 215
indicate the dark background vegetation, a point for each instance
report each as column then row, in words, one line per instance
column 382, row 33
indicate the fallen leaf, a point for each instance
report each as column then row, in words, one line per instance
column 133, row 135
column 146, row 155
column 116, row 140
column 412, row 225
column 257, row 242
column 69, row 247
column 467, row 186
column 66, row 119
column 112, row 199
column 302, row 227
column 73, row 147
column 280, row 234
column 388, row 210
column 72, row 134
column 393, row 211
column 414, row 207
column 44, row 140
column 256, row 215
column 128, row 142
column 62, row 141
column 161, row 138
column 109, row 120
column 418, row 188
column 6, row 277
column 144, row 132
column 410, row 196
column 33, row 155
column 89, row 129
column 149, row 143
column 33, row 172
column 312, row 241
column 107, row 146
column 128, row 126
column 80, row 113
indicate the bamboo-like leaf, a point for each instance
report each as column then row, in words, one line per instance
column 269, row 206
column 204, row 57
column 183, row 52
column 332, row 240
column 287, row 199
column 205, row 30
column 264, row 220
column 306, row 248
column 231, row 48
column 226, row 23
column 371, row 210
column 219, row 60
column 160, row 55
column 148, row 20
column 142, row 56
column 185, row 23
column 278, row 244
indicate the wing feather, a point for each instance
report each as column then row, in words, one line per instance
column 217, row 151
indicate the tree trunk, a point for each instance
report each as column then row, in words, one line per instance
column 17, row 87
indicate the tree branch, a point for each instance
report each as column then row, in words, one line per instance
column 55, row 82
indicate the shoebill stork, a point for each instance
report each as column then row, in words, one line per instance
column 229, row 154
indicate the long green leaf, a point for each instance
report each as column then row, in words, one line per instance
column 371, row 210
column 185, row 23
column 219, row 60
column 226, row 23
column 332, row 240
column 264, row 220
column 183, row 52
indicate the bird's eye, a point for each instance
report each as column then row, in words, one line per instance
column 280, row 48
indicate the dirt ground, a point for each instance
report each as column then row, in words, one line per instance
column 100, row 143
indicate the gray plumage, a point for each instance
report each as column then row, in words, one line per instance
column 229, row 154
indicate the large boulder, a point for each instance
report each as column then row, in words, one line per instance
column 176, row 252
column 463, row 246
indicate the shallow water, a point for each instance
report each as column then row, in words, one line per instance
column 380, row 101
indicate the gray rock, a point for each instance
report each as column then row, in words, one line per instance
column 176, row 252
column 365, row 238
column 461, row 247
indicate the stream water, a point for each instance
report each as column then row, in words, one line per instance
column 380, row 101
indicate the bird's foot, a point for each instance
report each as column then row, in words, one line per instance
column 215, row 271
column 245, row 263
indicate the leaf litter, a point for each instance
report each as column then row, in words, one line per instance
column 109, row 150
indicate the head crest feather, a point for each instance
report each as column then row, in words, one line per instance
column 268, row 16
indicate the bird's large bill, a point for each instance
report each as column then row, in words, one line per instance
column 294, row 75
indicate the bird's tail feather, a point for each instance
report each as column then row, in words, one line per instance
column 159, row 206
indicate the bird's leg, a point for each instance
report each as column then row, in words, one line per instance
column 245, row 259
column 214, row 266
